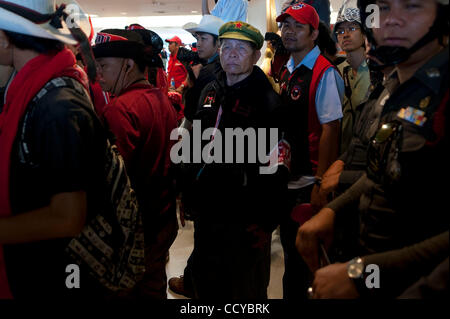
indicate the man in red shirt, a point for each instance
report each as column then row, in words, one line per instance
column 141, row 118
column 176, row 70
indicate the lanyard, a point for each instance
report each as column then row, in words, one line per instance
column 216, row 126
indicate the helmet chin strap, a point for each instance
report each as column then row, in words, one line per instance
column 393, row 55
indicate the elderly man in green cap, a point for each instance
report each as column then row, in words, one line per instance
column 235, row 203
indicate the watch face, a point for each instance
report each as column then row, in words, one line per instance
column 355, row 268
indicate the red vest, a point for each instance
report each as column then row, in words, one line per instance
column 291, row 89
column 314, row 127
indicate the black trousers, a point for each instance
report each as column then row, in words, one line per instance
column 224, row 265
column 297, row 277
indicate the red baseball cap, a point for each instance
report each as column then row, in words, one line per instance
column 175, row 39
column 302, row 13
column 134, row 26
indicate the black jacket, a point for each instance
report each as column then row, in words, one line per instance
column 207, row 75
column 65, row 153
column 238, row 193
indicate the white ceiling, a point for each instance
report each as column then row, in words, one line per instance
column 166, row 17
column 134, row 8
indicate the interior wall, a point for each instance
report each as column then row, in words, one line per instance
column 257, row 18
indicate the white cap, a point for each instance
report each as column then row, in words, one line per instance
column 13, row 21
column 208, row 24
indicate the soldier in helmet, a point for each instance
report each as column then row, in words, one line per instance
column 399, row 201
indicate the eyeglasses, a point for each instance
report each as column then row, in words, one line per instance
column 342, row 31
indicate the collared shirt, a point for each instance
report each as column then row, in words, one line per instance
column 359, row 85
column 330, row 92
column 211, row 59
column 329, row 96
column 231, row 10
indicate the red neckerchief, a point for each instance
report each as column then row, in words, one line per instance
column 99, row 97
column 26, row 84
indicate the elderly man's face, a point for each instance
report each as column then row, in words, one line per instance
column 237, row 57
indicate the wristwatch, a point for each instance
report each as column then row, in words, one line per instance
column 355, row 271
column 355, row 268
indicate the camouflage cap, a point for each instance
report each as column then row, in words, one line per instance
column 350, row 15
column 241, row 31
column 349, row 12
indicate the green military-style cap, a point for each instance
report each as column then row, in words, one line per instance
column 241, row 31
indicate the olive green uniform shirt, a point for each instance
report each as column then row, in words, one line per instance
column 359, row 85
column 398, row 210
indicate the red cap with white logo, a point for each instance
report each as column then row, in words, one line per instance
column 302, row 13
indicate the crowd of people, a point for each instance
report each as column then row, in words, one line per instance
column 356, row 177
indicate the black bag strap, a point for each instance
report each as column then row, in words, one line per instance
column 348, row 87
column 25, row 154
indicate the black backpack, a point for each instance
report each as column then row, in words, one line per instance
column 111, row 245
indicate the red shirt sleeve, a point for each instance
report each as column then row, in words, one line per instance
column 125, row 127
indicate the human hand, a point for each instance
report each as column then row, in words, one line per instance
column 319, row 227
column 318, row 198
column 180, row 89
column 329, row 183
column 333, row 282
